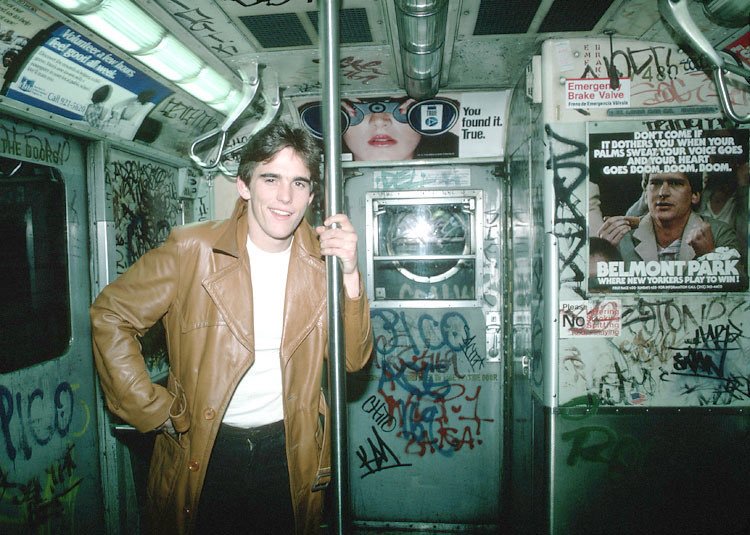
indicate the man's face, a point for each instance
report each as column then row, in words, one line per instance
column 279, row 192
column 670, row 198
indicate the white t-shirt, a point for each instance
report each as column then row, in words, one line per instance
column 258, row 398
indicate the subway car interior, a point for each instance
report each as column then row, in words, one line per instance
column 542, row 363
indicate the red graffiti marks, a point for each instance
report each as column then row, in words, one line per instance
column 692, row 87
column 357, row 69
column 659, row 78
column 435, row 416
column 428, row 402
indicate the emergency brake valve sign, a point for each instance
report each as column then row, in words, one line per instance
column 597, row 93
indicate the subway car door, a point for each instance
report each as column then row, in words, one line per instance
column 426, row 416
column 49, row 469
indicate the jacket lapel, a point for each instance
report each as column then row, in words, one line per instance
column 230, row 287
column 645, row 238
column 306, row 284
column 231, row 290
column 646, row 247
column 232, row 294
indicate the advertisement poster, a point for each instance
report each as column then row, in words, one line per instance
column 19, row 22
column 668, row 211
column 70, row 76
column 398, row 128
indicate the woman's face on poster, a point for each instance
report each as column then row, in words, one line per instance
column 379, row 137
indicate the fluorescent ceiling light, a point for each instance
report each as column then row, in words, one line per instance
column 172, row 60
column 75, row 5
column 208, row 86
column 230, row 103
column 125, row 25
column 128, row 27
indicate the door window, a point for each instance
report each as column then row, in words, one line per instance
column 35, row 314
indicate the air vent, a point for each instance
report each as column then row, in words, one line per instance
column 574, row 15
column 508, row 17
column 354, row 27
column 282, row 30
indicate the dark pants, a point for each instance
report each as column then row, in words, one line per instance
column 247, row 483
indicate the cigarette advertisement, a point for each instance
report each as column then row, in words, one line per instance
column 668, row 211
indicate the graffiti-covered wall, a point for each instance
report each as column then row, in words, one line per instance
column 147, row 199
column 652, row 273
column 646, row 202
column 635, row 346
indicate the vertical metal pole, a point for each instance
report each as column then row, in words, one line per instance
column 329, row 42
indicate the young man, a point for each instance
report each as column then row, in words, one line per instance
column 243, row 301
column 670, row 230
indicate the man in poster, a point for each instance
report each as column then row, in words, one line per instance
column 674, row 205
column 672, row 232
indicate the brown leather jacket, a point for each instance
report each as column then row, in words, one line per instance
column 198, row 284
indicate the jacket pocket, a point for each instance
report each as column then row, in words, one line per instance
column 168, row 459
column 323, row 473
column 178, row 411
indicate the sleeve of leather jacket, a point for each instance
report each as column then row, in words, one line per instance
column 357, row 330
column 122, row 312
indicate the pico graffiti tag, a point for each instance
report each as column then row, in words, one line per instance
column 37, row 419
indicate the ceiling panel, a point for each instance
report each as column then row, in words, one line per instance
column 499, row 18
column 574, row 15
column 488, row 45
